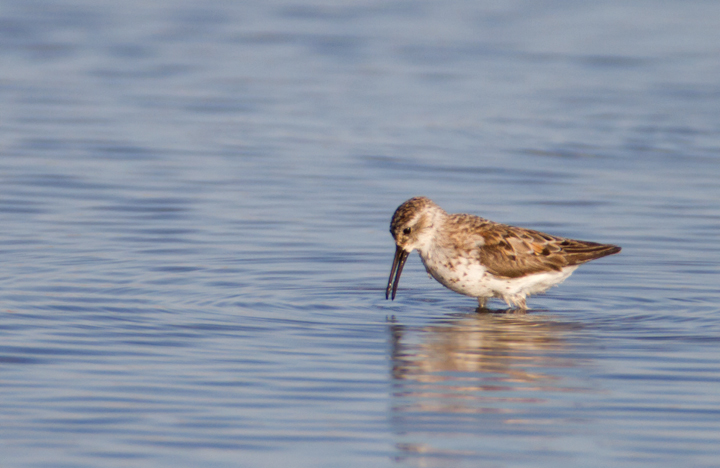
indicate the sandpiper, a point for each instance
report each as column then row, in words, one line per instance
column 480, row 258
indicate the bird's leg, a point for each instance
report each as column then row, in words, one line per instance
column 516, row 301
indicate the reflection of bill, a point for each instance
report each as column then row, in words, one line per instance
column 474, row 373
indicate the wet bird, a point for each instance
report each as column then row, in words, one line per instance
column 480, row 258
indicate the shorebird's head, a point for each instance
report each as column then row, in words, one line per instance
column 412, row 228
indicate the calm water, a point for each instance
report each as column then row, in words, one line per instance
column 195, row 199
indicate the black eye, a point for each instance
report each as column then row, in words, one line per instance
column 406, row 231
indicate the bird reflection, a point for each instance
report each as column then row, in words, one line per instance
column 471, row 372
column 479, row 347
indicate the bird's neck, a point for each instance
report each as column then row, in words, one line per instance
column 432, row 234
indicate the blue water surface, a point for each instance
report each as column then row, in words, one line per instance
column 194, row 210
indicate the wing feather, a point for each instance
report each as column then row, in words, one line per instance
column 510, row 252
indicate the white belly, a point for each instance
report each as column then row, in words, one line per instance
column 472, row 279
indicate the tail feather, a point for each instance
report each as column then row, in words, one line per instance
column 581, row 251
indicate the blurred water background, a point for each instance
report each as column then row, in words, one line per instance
column 194, row 209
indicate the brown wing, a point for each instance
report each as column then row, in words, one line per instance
column 511, row 252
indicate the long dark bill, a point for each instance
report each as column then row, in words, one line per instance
column 398, row 263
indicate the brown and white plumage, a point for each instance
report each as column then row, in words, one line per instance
column 480, row 258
